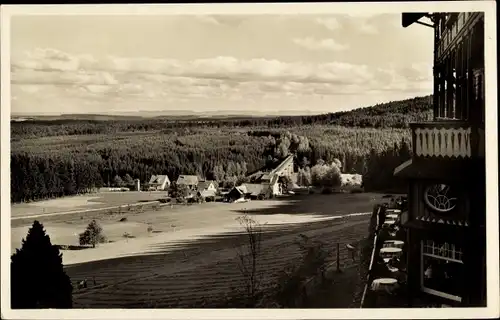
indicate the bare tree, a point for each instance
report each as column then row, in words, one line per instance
column 248, row 256
column 290, row 291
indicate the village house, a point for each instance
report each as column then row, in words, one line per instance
column 207, row 186
column 273, row 181
column 159, row 182
column 191, row 182
column 236, row 193
column 264, row 184
column 256, row 190
column 207, row 190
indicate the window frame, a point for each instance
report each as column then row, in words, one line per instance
column 434, row 256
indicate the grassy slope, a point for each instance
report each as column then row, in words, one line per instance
column 206, row 269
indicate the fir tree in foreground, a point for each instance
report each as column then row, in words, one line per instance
column 37, row 276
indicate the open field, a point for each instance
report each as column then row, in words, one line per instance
column 82, row 202
column 204, row 270
column 192, row 254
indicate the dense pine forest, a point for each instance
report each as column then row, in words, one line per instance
column 66, row 157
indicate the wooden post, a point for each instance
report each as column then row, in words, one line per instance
column 338, row 257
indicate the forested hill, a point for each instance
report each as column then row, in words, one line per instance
column 58, row 158
column 395, row 114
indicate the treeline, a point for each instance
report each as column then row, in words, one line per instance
column 379, row 172
column 52, row 167
column 37, row 177
column 396, row 114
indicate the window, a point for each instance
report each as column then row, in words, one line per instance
column 442, row 269
column 440, row 198
column 457, row 81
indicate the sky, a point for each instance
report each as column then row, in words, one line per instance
column 288, row 64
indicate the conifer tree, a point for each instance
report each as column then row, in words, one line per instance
column 92, row 235
column 38, row 279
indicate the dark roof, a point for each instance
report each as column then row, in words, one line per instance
column 240, row 189
column 158, row 179
column 409, row 18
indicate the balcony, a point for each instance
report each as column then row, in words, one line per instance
column 447, row 139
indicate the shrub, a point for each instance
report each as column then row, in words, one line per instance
column 92, row 235
column 198, row 199
column 118, row 182
column 37, row 278
column 179, row 192
column 324, row 175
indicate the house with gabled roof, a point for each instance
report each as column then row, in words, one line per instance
column 159, row 182
column 207, row 186
column 271, row 179
column 256, row 190
column 189, row 181
column 236, row 193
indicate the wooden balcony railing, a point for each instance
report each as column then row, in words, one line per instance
column 447, row 139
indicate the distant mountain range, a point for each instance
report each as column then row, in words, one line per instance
column 390, row 109
column 176, row 114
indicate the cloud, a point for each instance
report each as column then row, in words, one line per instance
column 324, row 44
column 58, row 78
column 331, row 24
column 367, row 28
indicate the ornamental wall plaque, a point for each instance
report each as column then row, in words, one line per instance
column 440, row 198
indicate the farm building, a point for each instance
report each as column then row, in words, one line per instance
column 274, row 179
column 159, row 182
column 256, row 190
column 207, row 190
column 446, row 175
column 189, row 181
column 236, row 193
column 207, row 186
column 207, row 194
column 285, row 168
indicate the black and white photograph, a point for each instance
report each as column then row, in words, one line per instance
column 328, row 160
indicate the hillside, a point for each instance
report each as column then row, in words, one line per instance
column 392, row 114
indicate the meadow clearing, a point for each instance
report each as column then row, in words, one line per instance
column 83, row 202
column 191, row 254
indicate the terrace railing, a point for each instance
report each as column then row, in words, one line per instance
column 447, row 139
